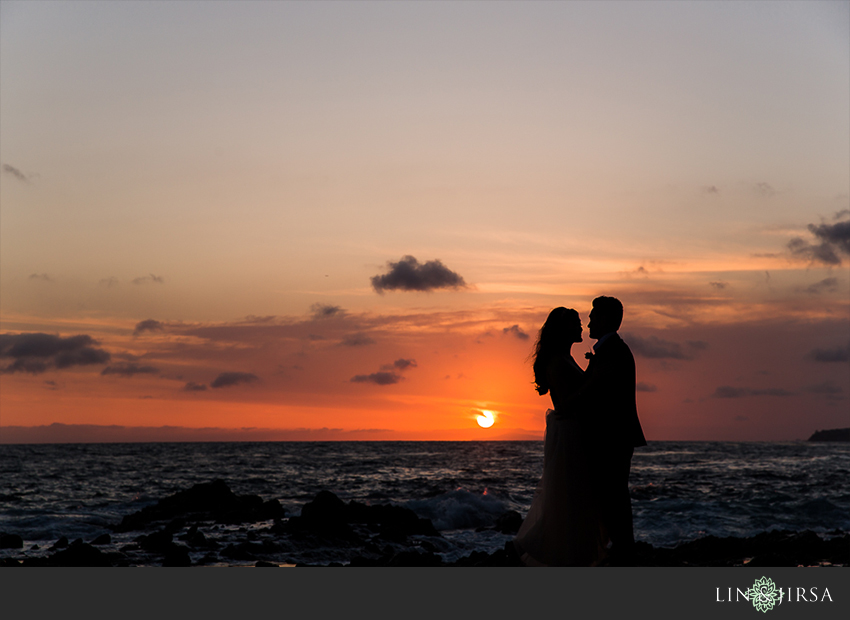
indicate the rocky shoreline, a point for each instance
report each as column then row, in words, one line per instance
column 186, row 529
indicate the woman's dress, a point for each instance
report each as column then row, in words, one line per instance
column 562, row 527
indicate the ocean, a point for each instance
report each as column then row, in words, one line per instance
column 680, row 490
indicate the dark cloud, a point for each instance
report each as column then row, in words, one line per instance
column 194, row 387
column 36, row 352
column 40, row 276
column 645, row 387
column 656, row 348
column 834, row 240
column 838, row 354
column 227, row 379
column 827, row 388
column 719, row 285
column 409, row 275
column 324, row 311
column 710, row 189
column 400, row 364
column 128, row 370
column 108, row 282
column 378, row 378
column 149, row 278
column 515, row 330
column 357, row 340
column 827, row 285
column 14, row 172
column 148, row 325
column 726, row 391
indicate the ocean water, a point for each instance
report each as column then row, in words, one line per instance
column 680, row 490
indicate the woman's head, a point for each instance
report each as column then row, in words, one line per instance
column 561, row 329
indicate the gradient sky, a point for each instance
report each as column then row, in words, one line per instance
column 198, row 200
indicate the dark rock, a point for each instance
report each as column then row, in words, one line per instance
column 11, row 541
column 412, row 558
column 833, row 434
column 103, row 539
column 158, row 542
column 210, row 501
column 79, row 554
column 10, row 562
column 262, row 564
column 59, row 544
column 509, row 522
column 175, row 556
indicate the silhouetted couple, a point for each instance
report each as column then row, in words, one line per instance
column 581, row 514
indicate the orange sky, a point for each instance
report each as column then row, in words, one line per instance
column 197, row 220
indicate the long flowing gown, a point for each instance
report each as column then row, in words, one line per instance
column 562, row 527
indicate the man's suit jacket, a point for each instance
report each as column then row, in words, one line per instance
column 607, row 400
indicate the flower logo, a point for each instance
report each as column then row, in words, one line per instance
column 764, row 594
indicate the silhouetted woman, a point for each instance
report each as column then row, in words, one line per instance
column 562, row 527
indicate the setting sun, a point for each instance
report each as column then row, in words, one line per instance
column 486, row 419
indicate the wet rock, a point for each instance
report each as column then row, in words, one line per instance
column 412, row 558
column 103, row 539
column 158, row 542
column 11, row 541
column 210, row 501
column 59, row 544
column 79, row 554
column 10, row 562
column 508, row 522
column 261, row 564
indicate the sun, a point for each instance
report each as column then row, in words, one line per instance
column 486, row 419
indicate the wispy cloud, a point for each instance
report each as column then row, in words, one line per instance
column 727, row 391
column 324, row 311
column 357, row 340
column 645, row 387
column 109, row 282
column 378, row 378
column 128, row 370
column 409, row 275
column 195, row 387
column 148, row 325
column 229, row 379
column 827, row 285
column 654, row 347
column 17, row 174
column 765, row 189
column 719, row 285
column 838, row 354
column 400, row 364
column 148, row 278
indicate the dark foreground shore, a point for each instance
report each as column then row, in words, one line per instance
column 189, row 527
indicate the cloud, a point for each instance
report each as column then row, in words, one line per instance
column 378, row 378
column 645, row 387
column 710, row 189
column 148, row 325
column 838, row 354
column 827, row 388
column 357, row 340
column 228, row 379
column 408, row 275
column 515, row 330
column 149, row 278
column 400, row 364
column 324, row 311
column 726, row 391
column 128, row 370
column 36, row 352
column 834, row 240
column 656, row 348
column 194, row 387
column 829, row 285
column 765, row 189
column 719, row 285
column 108, row 282
column 40, row 276
column 14, row 172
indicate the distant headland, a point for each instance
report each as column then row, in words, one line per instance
column 834, row 434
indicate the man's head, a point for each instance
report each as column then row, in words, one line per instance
column 605, row 317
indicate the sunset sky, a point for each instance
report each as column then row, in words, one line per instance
column 348, row 220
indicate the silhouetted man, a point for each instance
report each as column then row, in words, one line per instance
column 608, row 402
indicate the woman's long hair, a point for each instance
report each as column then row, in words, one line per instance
column 552, row 335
